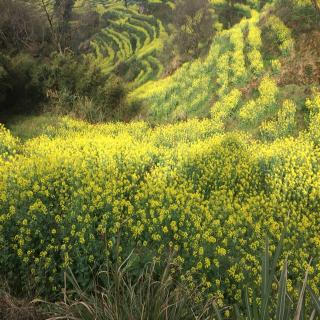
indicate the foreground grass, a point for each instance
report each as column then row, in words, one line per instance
column 118, row 292
column 13, row 308
column 28, row 127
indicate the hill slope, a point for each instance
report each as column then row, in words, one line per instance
column 75, row 195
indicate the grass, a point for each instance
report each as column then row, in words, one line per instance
column 26, row 127
column 12, row 308
column 118, row 293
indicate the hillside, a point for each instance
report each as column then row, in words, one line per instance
column 203, row 164
column 129, row 39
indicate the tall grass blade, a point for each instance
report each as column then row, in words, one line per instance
column 269, row 274
column 255, row 307
column 302, row 293
column 237, row 315
column 281, row 305
column 315, row 299
column 313, row 315
column 247, row 303
column 217, row 311
column 265, row 281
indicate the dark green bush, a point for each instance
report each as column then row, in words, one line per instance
column 20, row 87
column 65, row 84
column 79, row 87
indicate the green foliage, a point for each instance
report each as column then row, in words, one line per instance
column 230, row 13
column 234, row 62
column 302, row 15
column 72, row 74
column 126, row 43
column 20, row 85
column 120, row 292
column 255, row 45
column 225, row 106
column 223, row 70
column 4, row 80
column 193, row 21
column 77, row 196
column 237, row 64
column 22, row 28
column 68, row 85
column 276, row 304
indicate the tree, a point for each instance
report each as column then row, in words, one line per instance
column 193, row 21
column 316, row 6
column 85, row 23
column 58, row 14
column 229, row 13
column 63, row 13
column 21, row 27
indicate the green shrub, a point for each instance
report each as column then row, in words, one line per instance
column 63, row 84
column 313, row 105
column 20, row 87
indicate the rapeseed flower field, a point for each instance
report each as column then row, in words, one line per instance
column 82, row 194
column 227, row 156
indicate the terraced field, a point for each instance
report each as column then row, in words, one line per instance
column 131, row 40
column 219, row 83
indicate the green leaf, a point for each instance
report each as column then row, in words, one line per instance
column 277, row 255
column 268, row 275
column 265, row 281
column 247, row 303
column 217, row 311
column 237, row 315
column 302, row 294
column 281, row 306
column 315, row 299
column 255, row 306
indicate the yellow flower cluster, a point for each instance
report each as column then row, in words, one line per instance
column 276, row 66
column 256, row 109
column 313, row 104
column 81, row 195
column 223, row 70
column 255, row 44
column 8, row 143
column 254, row 33
column 238, row 65
column 283, row 125
column 89, row 193
column 256, row 61
column 282, row 34
column 225, row 106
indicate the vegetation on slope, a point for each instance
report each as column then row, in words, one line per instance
column 242, row 164
column 210, row 197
